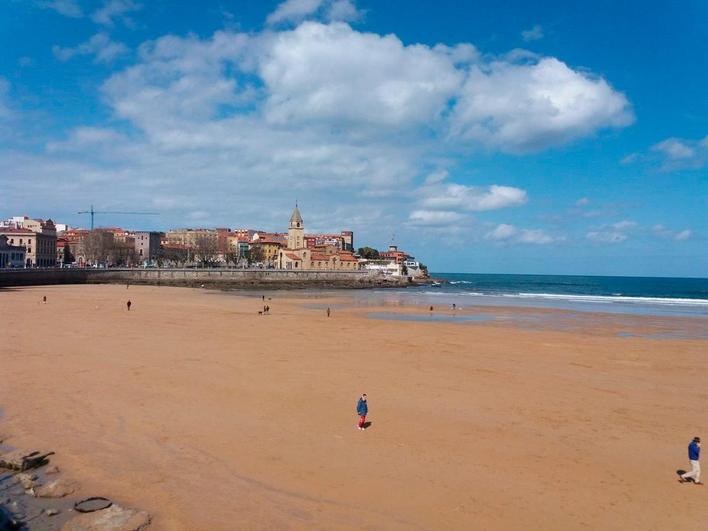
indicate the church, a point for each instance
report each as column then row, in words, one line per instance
column 298, row 256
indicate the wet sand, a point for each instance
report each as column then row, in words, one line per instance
column 195, row 408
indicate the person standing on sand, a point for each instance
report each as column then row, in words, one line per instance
column 128, row 304
column 694, row 456
column 362, row 409
column 328, row 311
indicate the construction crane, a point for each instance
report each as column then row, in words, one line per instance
column 94, row 212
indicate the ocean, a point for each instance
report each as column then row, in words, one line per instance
column 632, row 295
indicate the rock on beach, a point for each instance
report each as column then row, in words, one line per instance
column 114, row 518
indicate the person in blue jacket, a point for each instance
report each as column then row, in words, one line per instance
column 694, row 456
column 362, row 409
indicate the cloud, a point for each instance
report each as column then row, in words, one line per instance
column 334, row 74
column 532, row 34
column 472, row 198
column 293, row 11
column 67, row 8
column 115, row 10
column 520, row 108
column 583, row 201
column 675, row 149
column 505, row 233
column 100, row 46
column 343, row 11
column 612, row 232
column 307, row 112
column 677, row 154
column 662, row 232
column 434, row 217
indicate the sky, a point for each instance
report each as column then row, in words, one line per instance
column 497, row 137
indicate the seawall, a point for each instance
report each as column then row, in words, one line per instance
column 212, row 278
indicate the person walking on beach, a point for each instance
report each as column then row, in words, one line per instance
column 694, row 456
column 362, row 409
column 128, row 304
column 328, row 311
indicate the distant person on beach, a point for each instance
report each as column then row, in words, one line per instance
column 362, row 409
column 328, row 311
column 694, row 456
column 44, row 299
column 454, row 306
column 127, row 285
column 128, row 304
column 263, row 297
column 431, row 308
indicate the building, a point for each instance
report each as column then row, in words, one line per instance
column 344, row 241
column 37, row 236
column 394, row 254
column 297, row 254
column 238, row 244
column 193, row 237
column 64, row 256
column 11, row 255
column 266, row 250
column 74, row 238
column 147, row 245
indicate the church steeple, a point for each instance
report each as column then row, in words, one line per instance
column 296, row 218
column 296, row 231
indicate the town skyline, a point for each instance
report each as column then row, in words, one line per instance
column 559, row 140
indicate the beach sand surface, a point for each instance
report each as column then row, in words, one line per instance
column 209, row 416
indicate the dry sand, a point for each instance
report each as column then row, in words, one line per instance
column 209, row 416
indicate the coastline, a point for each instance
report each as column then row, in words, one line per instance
column 192, row 404
column 218, row 278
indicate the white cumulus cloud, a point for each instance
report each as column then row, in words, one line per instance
column 526, row 107
column 328, row 73
column 472, row 198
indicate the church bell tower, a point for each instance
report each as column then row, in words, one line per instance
column 296, row 230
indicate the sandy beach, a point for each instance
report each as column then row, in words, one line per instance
column 211, row 417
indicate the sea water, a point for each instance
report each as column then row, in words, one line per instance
column 687, row 297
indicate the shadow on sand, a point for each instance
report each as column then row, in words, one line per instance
column 681, row 472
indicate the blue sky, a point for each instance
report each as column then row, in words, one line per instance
column 481, row 137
